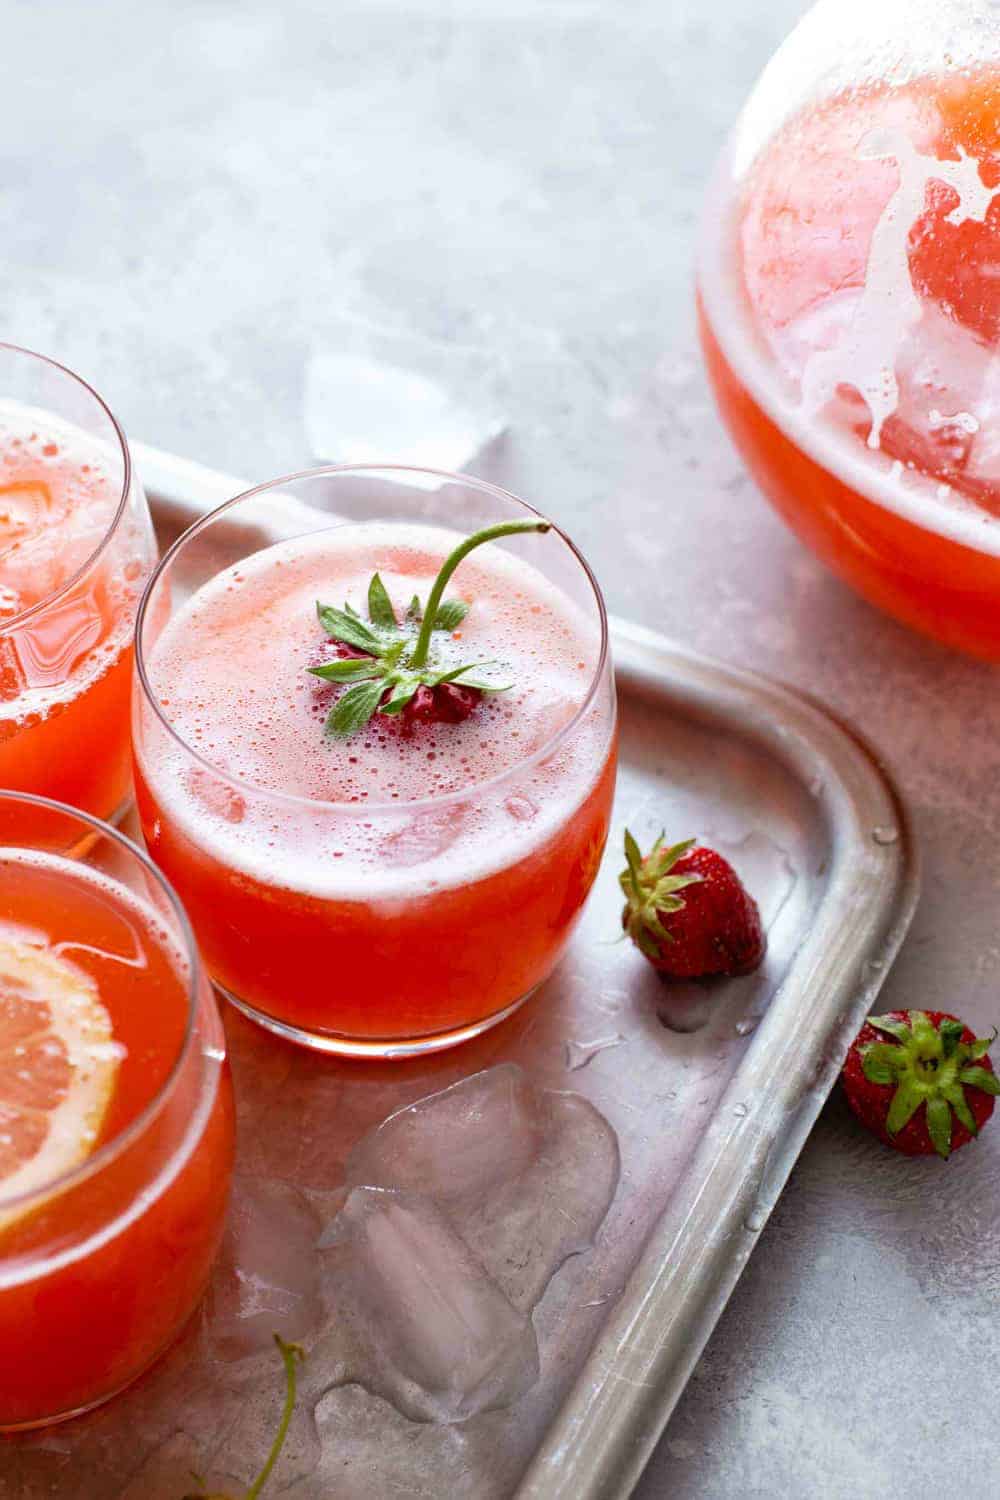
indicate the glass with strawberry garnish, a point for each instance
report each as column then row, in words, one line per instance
column 76, row 547
column 850, row 301
column 116, row 1120
column 374, row 727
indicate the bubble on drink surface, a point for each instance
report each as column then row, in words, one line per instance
column 267, row 1278
column 460, row 1209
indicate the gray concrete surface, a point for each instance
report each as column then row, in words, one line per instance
column 197, row 194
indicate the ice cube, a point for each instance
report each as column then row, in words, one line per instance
column 441, row 1339
column 546, row 719
column 459, row 1143
column 529, row 1224
column 357, row 410
column 216, row 796
column 423, row 838
column 24, row 507
column 267, row 1278
column 460, row 1209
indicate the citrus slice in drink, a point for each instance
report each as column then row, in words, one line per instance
column 58, row 1066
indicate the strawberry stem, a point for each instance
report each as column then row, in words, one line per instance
column 451, row 562
column 290, row 1353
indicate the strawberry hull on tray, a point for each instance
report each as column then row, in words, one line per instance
column 377, row 759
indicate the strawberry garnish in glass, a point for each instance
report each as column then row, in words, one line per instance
column 375, row 732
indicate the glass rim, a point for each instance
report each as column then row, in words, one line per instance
column 112, row 1149
column 364, row 809
column 88, row 563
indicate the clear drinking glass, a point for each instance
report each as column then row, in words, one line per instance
column 850, row 305
column 403, row 889
column 116, row 1116
column 76, row 547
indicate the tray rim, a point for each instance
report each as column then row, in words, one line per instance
column 614, row 1413
column 617, row 1408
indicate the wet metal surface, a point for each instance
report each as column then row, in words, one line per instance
column 501, row 198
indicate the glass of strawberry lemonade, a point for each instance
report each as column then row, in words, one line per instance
column 76, row 547
column 375, row 734
column 115, row 1114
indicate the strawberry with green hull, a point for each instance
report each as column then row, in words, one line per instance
column 921, row 1081
column 388, row 668
column 713, row 928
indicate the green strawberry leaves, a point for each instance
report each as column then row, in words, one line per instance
column 380, row 610
column 651, row 889
column 450, row 614
column 352, row 712
column 931, row 1067
column 395, row 662
column 344, row 625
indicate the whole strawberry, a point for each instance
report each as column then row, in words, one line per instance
column 921, row 1081
column 714, row 928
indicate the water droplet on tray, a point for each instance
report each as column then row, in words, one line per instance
column 884, row 833
column 741, row 1111
column 579, row 1054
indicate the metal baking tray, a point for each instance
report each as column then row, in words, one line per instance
column 712, row 1093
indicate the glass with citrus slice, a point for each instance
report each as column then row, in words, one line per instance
column 116, row 1127
column 375, row 744
column 76, row 546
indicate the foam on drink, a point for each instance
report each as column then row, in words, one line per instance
column 229, row 673
column 832, row 292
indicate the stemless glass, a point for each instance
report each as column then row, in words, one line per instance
column 369, row 924
column 102, row 1262
column 850, row 306
column 76, row 547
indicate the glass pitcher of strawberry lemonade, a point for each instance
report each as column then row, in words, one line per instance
column 375, row 740
column 849, row 292
column 76, row 547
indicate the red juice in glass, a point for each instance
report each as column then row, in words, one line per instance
column 409, row 884
column 76, row 547
column 850, row 305
column 115, row 1117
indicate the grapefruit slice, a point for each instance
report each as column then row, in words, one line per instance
column 58, row 1066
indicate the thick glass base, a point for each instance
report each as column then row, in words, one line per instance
column 375, row 1048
